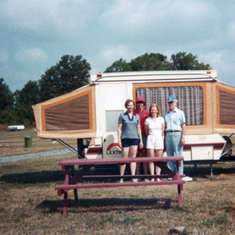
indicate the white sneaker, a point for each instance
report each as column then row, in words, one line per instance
column 187, row 179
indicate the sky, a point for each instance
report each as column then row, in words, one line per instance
column 34, row 35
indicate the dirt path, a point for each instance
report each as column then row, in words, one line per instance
column 33, row 155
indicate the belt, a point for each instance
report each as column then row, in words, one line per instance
column 173, row 131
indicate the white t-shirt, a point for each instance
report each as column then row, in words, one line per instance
column 155, row 127
column 154, row 139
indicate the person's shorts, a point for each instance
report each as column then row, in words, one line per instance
column 154, row 142
column 130, row 142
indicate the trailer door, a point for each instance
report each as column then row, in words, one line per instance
column 111, row 104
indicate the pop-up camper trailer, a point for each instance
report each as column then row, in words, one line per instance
column 91, row 112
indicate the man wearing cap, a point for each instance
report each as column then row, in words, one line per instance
column 175, row 132
column 143, row 114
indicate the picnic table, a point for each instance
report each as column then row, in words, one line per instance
column 73, row 178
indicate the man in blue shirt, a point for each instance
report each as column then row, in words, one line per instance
column 175, row 132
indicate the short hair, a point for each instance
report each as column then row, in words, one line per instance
column 159, row 113
column 129, row 101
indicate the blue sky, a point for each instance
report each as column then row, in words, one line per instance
column 36, row 34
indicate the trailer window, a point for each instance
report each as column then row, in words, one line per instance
column 71, row 115
column 226, row 112
column 190, row 100
column 112, row 120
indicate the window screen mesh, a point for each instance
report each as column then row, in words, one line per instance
column 71, row 115
column 227, row 112
column 190, row 100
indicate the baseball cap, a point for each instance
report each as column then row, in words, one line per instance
column 171, row 98
column 140, row 99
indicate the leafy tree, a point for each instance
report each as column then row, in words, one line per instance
column 157, row 61
column 24, row 99
column 183, row 61
column 6, row 103
column 69, row 74
column 119, row 66
column 149, row 62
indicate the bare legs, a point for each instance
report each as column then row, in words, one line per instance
column 131, row 152
column 156, row 153
column 143, row 153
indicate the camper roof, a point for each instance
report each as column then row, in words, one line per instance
column 156, row 76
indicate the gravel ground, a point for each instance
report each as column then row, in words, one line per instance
column 33, row 155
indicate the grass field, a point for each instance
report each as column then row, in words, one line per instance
column 30, row 205
column 13, row 143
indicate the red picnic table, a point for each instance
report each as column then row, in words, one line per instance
column 73, row 178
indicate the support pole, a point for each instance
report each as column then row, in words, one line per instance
column 180, row 187
column 65, row 203
column 80, row 147
column 211, row 170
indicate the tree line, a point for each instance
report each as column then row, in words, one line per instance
column 72, row 72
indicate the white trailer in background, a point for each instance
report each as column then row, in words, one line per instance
column 91, row 112
column 16, row 128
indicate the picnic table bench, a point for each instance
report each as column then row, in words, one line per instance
column 73, row 178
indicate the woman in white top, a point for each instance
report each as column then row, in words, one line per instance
column 154, row 129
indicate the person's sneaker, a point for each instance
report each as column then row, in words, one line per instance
column 187, row 179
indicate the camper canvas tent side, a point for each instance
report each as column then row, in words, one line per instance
column 70, row 116
column 224, row 112
column 223, row 103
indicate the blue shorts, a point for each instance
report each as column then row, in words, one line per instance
column 144, row 138
column 129, row 142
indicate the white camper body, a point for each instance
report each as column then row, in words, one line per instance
column 200, row 95
column 112, row 90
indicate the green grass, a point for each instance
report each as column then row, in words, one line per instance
column 30, row 205
column 221, row 220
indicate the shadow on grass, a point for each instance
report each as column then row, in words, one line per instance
column 47, row 176
column 202, row 171
column 33, row 177
column 106, row 205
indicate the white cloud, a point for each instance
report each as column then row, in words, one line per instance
column 111, row 54
column 161, row 19
column 31, row 55
column 212, row 58
column 104, row 31
column 55, row 17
